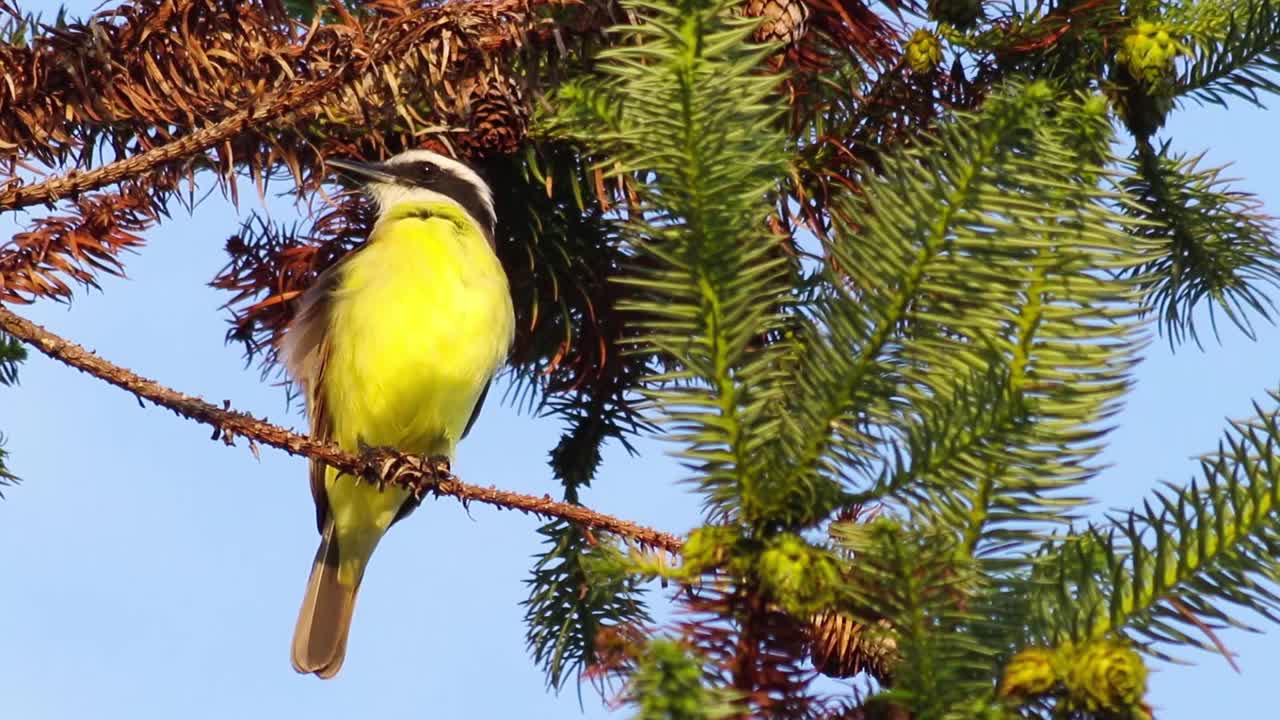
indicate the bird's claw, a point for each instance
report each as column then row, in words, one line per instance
column 441, row 466
column 432, row 470
column 376, row 462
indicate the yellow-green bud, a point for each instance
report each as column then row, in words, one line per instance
column 785, row 563
column 924, row 51
column 799, row 575
column 1106, row 677
column 1148, row 51
column 707, row 548
column 1040, row 92
column 1029, row 673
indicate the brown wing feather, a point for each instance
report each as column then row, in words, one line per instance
column 321, row 431
column 305, row 351
column 324, row 621
column 475, row 411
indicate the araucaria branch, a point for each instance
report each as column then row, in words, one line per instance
column 391, row 468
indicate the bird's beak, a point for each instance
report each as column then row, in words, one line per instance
column 369, row 172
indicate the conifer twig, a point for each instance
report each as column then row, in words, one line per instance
column 295, row 97
column 228, row 424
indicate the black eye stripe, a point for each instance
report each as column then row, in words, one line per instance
column 427, row 174
column 423, row 173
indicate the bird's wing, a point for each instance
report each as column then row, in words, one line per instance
column 320, row 432
column 305, row 350
column 475, row 411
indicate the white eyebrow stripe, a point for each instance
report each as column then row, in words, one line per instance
column 458, row 170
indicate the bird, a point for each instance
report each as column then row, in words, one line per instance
column 394, row 347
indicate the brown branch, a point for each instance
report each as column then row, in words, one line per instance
column 293, row 98
column 396, row 469
column 200, row 140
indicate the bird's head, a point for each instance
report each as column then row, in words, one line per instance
column 425, row 176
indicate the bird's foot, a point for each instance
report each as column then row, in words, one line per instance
column 382, row 466
column 434, row 469
column 378, row 463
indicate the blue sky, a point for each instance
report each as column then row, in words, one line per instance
column 151, row 573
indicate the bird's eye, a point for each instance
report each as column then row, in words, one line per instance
column 426, row 171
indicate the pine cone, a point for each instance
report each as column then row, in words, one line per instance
column 499, row 117
column 1148, row 50
column 924, row 51
column 785, row 21
column 1033, row 671
column 843, row 647
column 1107, row 677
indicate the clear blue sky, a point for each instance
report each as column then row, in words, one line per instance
column 150, row 573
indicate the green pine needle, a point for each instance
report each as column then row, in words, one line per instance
column 1173, row 570
column 12, row 352
column 1215, row 243
column 977, row 292
column 1238, row 53
column 577, row 589
column 683, row 104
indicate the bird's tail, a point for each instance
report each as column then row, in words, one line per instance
column 320, row 639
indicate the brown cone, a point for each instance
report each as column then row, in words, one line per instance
column 499, row 116
column 843, row 647
column 785, row 21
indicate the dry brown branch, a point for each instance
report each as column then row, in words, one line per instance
column 402, row 470
column 292, row 98
column 198, row 141
column 78, row 245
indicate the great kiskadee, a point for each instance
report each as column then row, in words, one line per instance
column 394, row 346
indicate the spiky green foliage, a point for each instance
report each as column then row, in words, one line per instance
column 700, row 123
column 956, row 360
column 563, row 241
column 11, row 353
column 978, row 279
column 20, row 28
column 978, row 337
column 687, row 74
column 1237, row 53
column 668, row 685
column 576, row 591
column 1145, row 57
column 1191, row 558
column 711, row 292
column 913, row 579
column 6, row 477
column 974, row 339
column 1218, row 244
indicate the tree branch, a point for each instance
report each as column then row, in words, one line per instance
column 397, row 469
column 293, row 98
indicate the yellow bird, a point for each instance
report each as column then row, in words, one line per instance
column 395, row 347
